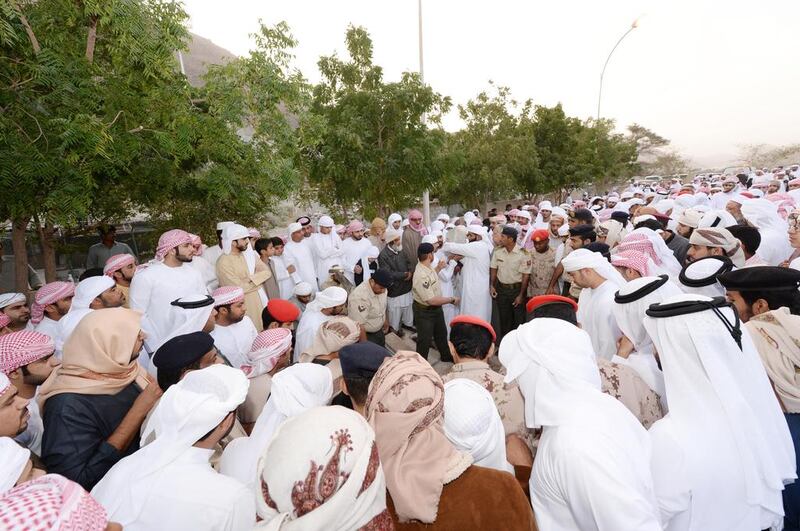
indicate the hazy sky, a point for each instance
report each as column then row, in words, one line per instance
column 707, row 74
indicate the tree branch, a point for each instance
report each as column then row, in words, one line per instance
column 91, row 39
column 28, row 29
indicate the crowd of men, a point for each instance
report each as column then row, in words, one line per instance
column 623, row 362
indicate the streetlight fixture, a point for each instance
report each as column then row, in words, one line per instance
column 634, row 25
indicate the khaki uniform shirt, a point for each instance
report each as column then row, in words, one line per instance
column 542, row 267
column 507, row 397
column 624, row 384
column 511, row 265
column 367, row 308
column 425, row 285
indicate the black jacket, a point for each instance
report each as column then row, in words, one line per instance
column 397, row 264
column 679, row 246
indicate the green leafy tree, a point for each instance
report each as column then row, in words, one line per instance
column 493, row 153
column 374, row 151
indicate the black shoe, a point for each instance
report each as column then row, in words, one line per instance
column 411, row 328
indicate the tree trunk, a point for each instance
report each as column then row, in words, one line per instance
column 20, row 254
column 48, row 249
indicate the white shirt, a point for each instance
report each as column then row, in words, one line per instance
column 307, row 328
column 301, row 256
column 189, row 495
column 50, row 328
column 353, row 251
column 207, row 271
column 282, row 276
column 152, row 291
column 327, row 249
column 475, row 298
column 596, row 316
column 234, row 341
column 211, row 254
column 31, row 438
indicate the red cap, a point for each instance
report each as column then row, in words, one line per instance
column 541, row 300
column 471, row 319
column 540, row 235
column 283, row 310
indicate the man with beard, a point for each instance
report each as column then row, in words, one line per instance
column 121, row 267
column 15, row 307
column 52, row 302
column 240, row 267
column 412, row 236
column 234, row 332
column 398, row 303
column 165, row 280
column 353, row 250
column 27, row 359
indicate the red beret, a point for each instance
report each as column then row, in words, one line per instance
column 539, row 235
column 541, row 300
column 283, row 310
column 471, row 319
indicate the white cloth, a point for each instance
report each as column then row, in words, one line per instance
column 723, row 454
column 664, row 253
column 301, row 256
column 13, row 460
column 211, row 254
column 352, row 253
column 446, row 284
column 49, row 327
column 763, row 214
column 154, row 288
column 31, row 438
column 313, row 317
column 294, row 390
column 328, row 252
column 475, row 298
column 399, row 310
column 169, row 484
column 629, row 318
column 177, row 321
column 87, row 291
column 321, row 435
column 234, row 341
column 282, row 276
column 473, row 425
column 590, row 442
column 208, row 272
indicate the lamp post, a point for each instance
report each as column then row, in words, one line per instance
column 426, row 196
column 634, row 25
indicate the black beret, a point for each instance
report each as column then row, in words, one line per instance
column 182, row 351
column 620, row 216
column 383, row 277
column 761, row 278
column 581, row 230
column 510, row 231
column 362, row 359
column 599, row 247
column 583, row 214
column 424, row 248
column 749, row 236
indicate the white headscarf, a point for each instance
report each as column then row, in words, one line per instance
column 181, row 320
column 86, row 291
column 473, row 425
column 328, row 298
column 763, row 214
column 236, row 232
column 350, row 490
column 392, row 218
column 706, row 268
column 13, row 460
column 664, row 253
column 721, row 401
column 187, row 411
column 585, row 259
column 629, row 315
column 7, row 299
column 295, row 389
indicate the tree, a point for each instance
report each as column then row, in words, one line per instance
column 374, row 151
column 492, row 154
column 647, row 142
column 763, row 156
column 669, row 162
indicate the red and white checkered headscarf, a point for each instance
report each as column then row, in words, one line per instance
column 170, row 240
column 254, row 233
column 48, row 294
column 635, row 260
column 48, row 503
column 18, row 349
column 197, row 241
column 641, row 243
column 4, row 320
column 117, row 262
column 266, row 351
column 227, row 295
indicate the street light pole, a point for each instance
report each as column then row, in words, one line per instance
column 600, row 92
column 426, row 197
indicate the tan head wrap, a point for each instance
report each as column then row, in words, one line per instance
column 776, row 335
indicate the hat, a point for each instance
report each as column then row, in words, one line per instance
column 19, row 349
column 117, row 262
column 325, row 221
column 510, row 231
column 181, row 351
column 383, row 277
column 222, row 224
column 563, row 230
column 705, row 271
column 622, row 217
column 540, row 235
column 391, row 235
column 303, row 220
column 471, row 319
column 294, row 227
column 581, row 230
column 424, row 248
column 362, row 359
column 283, row 311
column 543, row 300
column 8, row 299
column 690, row 218
column 303, row 289
column 227, row 295
column 761, row 278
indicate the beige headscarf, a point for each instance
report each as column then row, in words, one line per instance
column 97, row 356
column 332, row 335
column 405, row 407
column 776, row 335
